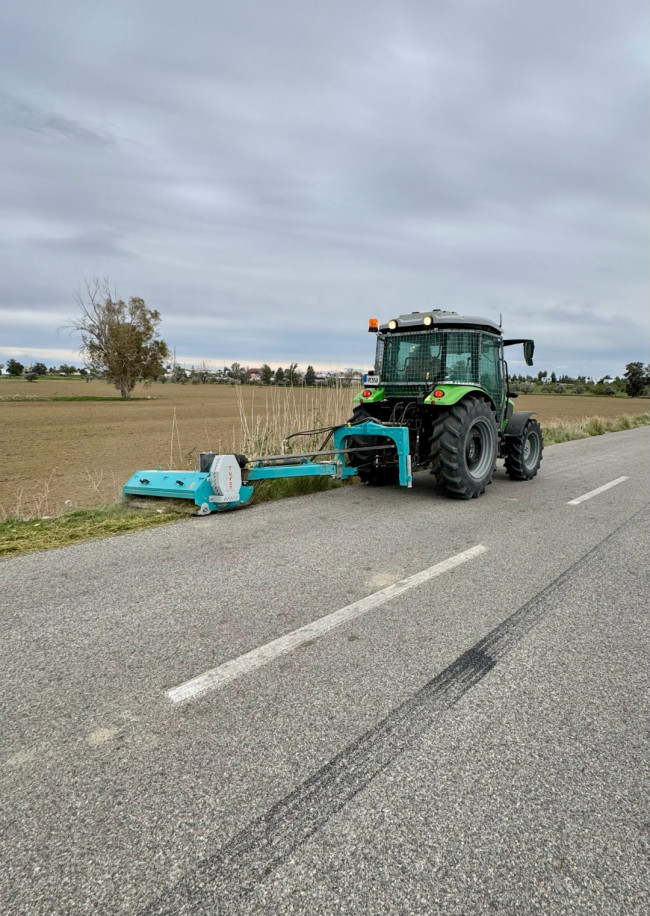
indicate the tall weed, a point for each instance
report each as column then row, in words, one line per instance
column 280, row 412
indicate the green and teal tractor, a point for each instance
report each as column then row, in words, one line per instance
column 445, row 378
column 437, row 398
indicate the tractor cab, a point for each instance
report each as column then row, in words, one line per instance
column 425, row 355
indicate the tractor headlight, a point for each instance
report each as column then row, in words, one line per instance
column 427, row 321
column 392, row 324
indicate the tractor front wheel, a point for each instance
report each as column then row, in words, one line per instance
column 524, row 453
column 467, row 449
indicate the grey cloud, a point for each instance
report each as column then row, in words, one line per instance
column 309, row 166
column 22, row 114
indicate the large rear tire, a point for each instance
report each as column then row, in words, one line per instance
column 434, row 442
column 368, row 464
column 468, row 449
column 524, row 453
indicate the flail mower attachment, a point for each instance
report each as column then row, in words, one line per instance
column 227, row 481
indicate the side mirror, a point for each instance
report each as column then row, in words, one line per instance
column 529, row 349
column 513, row 394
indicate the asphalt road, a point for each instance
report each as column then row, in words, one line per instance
column 476, row 744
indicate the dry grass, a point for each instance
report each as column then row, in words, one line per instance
column 280, row 412
column 559, row 431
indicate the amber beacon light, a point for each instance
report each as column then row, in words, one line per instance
column 373, row 324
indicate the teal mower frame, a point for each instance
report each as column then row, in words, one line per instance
column 229, row 482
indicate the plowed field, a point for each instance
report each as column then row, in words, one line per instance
column 58, row 454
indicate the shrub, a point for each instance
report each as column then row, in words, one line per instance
column 595, row 426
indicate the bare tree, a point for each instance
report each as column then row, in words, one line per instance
column 119, row 340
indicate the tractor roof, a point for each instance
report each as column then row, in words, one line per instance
column 441, row 319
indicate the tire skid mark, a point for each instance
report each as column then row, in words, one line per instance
column 219, row 882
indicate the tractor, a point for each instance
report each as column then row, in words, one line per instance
column 436, row 398
column 444, row 377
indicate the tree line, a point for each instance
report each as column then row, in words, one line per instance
column 242, row 375
column 173, row 372
column 635, row 383
column 31, row 373
column 236, row 373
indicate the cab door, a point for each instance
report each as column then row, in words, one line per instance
column 491, row 372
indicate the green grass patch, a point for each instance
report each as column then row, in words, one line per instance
column 594, row 426
column 23, row 535
column 269, row 490
column 20, row 535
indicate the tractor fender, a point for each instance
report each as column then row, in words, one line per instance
column 516, row 423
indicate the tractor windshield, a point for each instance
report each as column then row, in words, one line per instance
column 429, row 357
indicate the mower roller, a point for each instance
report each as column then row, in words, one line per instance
column 438, row 397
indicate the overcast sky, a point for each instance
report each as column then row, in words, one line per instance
column 269, row 175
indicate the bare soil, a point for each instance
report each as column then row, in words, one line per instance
column 60, row 454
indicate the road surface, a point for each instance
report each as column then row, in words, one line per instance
column 448, row 713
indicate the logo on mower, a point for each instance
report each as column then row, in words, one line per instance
column 225, row 478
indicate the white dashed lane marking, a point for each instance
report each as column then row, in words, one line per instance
column 605, row 486
column 237, row 667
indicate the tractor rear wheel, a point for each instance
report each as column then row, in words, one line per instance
column 468, row 449
column 524, row 453
column 368, row 464
column 434, row 442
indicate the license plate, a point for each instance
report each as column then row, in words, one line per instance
column 372, row 380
